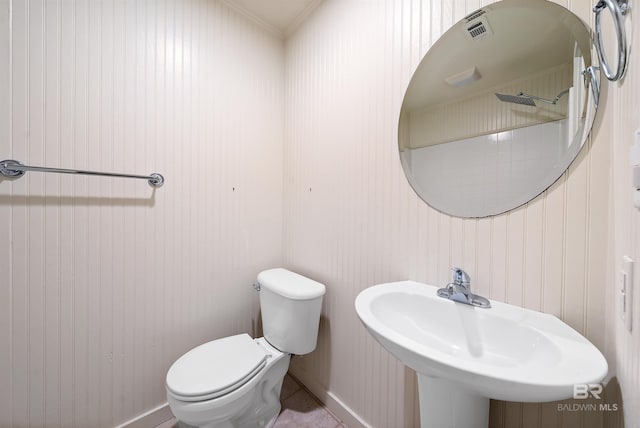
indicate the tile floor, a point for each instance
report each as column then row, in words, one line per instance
column 300, row 409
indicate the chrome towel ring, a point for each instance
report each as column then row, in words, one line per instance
column 618, row 9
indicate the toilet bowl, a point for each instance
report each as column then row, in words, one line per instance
column 235, row 381
column 251, row 400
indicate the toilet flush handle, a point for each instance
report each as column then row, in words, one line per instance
column 256, row 286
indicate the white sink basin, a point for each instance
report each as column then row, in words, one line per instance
column 504, row 352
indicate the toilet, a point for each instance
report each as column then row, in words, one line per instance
column 235, row 382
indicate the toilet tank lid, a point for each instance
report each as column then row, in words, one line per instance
column 290, row 284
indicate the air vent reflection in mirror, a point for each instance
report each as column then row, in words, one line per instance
column 479, row 29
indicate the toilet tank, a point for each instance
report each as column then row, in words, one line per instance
column 290, row 304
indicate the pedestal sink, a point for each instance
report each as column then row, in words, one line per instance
column 465, row 355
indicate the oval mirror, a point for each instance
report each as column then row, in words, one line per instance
column 499, row 107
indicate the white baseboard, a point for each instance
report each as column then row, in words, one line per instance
column 150, row 419
column 162, row 413
column 331, row 402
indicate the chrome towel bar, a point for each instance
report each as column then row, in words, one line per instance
column 14, row 169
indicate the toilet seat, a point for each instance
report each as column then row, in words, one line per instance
column 215, row 368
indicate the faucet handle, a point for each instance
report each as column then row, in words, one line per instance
column 460, row 277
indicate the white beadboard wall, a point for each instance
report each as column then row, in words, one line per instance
column 105, row 281
column 623, row 120
column 351, row 219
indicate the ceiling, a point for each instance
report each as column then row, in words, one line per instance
column 280, row 16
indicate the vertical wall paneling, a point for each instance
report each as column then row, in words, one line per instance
column 6, row 263
column 19, row 285
column 622, row 123
column 549, row 255
column 106, row 281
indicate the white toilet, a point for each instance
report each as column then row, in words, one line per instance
column 235, row 381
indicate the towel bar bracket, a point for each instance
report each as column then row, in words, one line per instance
column 7, row 171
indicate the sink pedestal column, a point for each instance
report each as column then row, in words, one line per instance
column 444, row 404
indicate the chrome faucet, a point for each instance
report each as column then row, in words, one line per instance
column 459, row 290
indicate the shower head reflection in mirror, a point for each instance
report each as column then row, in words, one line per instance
column 529, row 100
